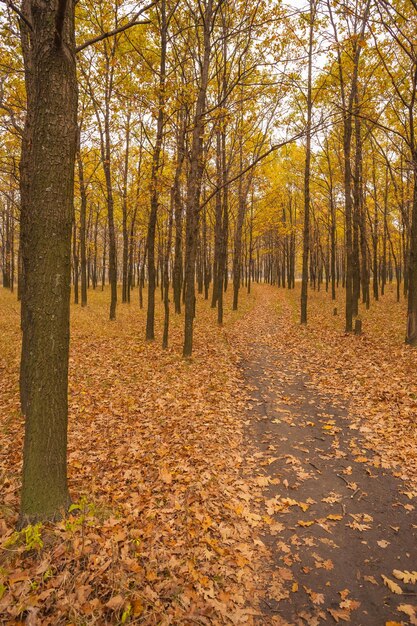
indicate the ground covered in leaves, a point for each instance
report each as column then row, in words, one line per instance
column 201, row 488
column 162, row 530
column 339, row 508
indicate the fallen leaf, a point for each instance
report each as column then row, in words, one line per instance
column 340, row 615
column 392, row 586
column 115, row 603
column 406, row 576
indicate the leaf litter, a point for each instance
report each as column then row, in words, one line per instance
column 175, row 506
column 163, row 529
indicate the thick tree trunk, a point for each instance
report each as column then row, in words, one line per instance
column 47, row 177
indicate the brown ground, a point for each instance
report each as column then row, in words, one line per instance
column 337, row 523
column 300, row 439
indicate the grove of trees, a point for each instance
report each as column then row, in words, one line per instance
column 196, row 146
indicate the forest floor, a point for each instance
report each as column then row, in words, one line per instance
column 332, row 423
column 269, row 480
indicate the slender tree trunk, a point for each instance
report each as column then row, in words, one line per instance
column 348, row 110
column 250, row 261
column 384, row 239
column 307, row 199
column 165, row 277
column 411, row 337
column 111, row 227
column 222, row 268
column 125, row 260
column 357, row 184
column 83, row 217
column 194, row 184
column 75, row 261
column 103, row 274
column 105, row 143
column 154, row 185
column 217, row 225
column 95, row 250
column 241, row 211
column 177, row 278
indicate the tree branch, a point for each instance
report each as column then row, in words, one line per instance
column 120, row 29
column 59, row 21
column 262, row 156
column 18, row 12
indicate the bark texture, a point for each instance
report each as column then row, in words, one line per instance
column 47, row 175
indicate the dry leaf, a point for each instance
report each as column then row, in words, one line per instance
column 115, row 603
column 392, row 586
column 406, row 576
column 340, row 615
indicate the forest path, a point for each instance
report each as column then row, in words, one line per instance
column 337, row 523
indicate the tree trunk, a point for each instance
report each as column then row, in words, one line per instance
column 194, row 185
column 307, row 199
column 165, row 277
column 156, row 166
column 47, row 178
column 83, row 218
column 411, row 337
column 125, row 260
column 178, row 269
column 75, row 261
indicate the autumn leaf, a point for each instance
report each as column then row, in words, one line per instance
column 165, row 475
column 340, row 615
column 316, row 598
column 115, row 603
column 406, row 577
column 392, row 586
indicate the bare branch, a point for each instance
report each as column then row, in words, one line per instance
column 18, row 12
column 111, row 33
column 261, row 157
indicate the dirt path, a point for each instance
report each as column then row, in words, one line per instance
column 336, row 523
